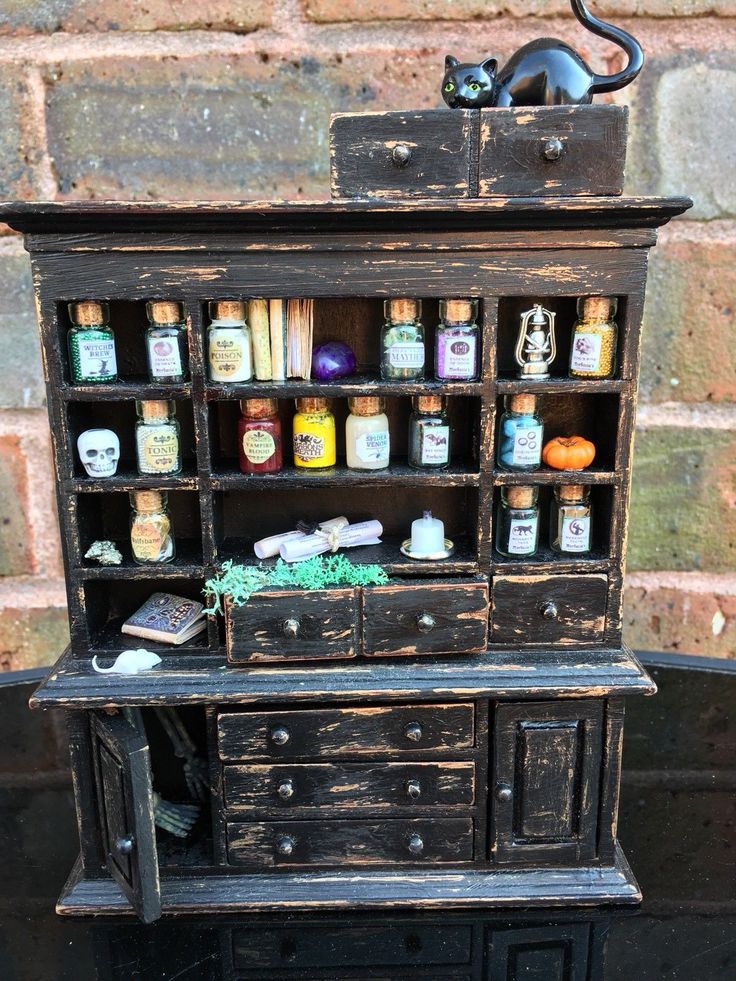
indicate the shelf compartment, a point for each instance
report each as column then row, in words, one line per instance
column 548, row 476
column 127, row 480
column 509, row 384
column 363, row 384
column 397, row 474
column 464, row 420
column 126, row 388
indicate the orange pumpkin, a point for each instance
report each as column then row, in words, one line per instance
column 568, row 453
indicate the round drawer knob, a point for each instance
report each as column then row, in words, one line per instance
column 286, row 789
column 413, row 789
column 280, row 735
column 504, row 794
column 553, row 149
column 413, row 732
column 416, row 844
column 400, row 155
column 285, row 845
column 549, row 610
column 425, row 623
column 124, row 846
column 290, row 628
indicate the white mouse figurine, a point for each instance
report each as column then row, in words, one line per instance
column 130, row 662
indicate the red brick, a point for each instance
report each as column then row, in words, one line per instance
column 15, row 536
column 379, row 10
column 48, row 16
column 31, row 638
column 688, row 350
column 674, row 618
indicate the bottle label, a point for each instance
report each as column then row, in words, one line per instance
column 229, row 356
column 406, row 354
column 307, row 446
column 158, row 449
column 456, row 356
column 258, row 446
column 435, row 444
column 527, row 446
column 575, row 534
column 586, row 352
column 148, row 539
column 96, row 357
column 164, row 357
column 372, row 447
column 523, row 535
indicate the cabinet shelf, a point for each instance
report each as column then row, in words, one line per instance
column 363, row 384
column 545, row 561
column 127, row 480
column 127, row 388
column 507, row 385
column 397, row 474
column 548, row 476
column 187, row 564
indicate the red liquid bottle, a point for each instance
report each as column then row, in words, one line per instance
column 259, row 436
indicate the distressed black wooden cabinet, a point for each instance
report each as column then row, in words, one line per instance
column 382, row 763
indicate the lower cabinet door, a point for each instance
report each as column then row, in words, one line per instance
column 125, row 798
column 547, row 773
column 326, row 843
column 559, row 952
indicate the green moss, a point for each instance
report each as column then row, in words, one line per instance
column 239, row 582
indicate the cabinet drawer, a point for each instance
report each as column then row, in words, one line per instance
column 548, row 609
column 348, row 785
column 552, row 150
column 400, row 154
column 293, row 625
column 290, row 843
column 330, row 732
column 427, row 618
column 333, row 946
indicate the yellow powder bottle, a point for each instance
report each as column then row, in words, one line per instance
column 314, row 435
column 594, row 338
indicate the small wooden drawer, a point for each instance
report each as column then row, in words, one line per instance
column 329, row 732
column 325, row 843
column 347, row 786
column 548, row 609
column 293, row 625
column 428, row 618
column 400, row 154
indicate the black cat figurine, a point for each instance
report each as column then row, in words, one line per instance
column 545, row 72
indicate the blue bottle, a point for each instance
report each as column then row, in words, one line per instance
column 520, row 434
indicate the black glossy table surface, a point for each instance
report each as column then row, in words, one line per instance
column 677, row 826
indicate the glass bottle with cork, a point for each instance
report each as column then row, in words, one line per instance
column 166, row 342
column 571, row 519
column 151, row 538
column 259, row 436
column 157, row 443
column 517, row 521
column 456, row 342
column 91, row 341
column 520, row 434
column 594, row 338
column 430, row 439
column 314, row 435
column 402, row 341
column 367, row 439
column 229, row 351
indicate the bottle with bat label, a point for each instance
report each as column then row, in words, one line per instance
column 430, row 438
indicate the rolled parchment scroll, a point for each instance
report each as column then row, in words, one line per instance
column 267, row 548
column 349, row 536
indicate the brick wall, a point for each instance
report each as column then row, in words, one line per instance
column 230, row 99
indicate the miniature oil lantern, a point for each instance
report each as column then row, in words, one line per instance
column 536, row 347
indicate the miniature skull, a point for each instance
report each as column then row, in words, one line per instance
column 99, row 451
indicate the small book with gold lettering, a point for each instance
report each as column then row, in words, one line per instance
column 167, row 619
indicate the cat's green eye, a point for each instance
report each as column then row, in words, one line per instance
column 474, row 87
column 450, row 87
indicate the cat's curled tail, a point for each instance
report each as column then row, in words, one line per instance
column 634, row 52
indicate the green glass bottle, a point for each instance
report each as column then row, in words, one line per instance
column 91, row 344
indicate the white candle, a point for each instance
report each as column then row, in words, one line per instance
column 427, row 535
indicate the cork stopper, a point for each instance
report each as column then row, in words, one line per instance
column 525, row 403
column 312, row 405
column 458, row 311
column 597, row 308
column 164, row 312
column 148, row 501
column 154, row 409
column 428, row 403
column 403, row 311
column 259, row 408
column 227, row 310
column 520, row 497
column 572, row 492
column 87, row 313
column 365, row 405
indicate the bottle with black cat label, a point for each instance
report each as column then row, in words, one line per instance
column 517, row 521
